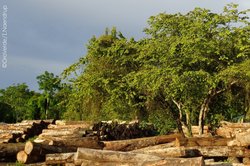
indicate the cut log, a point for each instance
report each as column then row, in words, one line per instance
column 32, row 148
column 197, row 161
column 111, row 158
column 132, row 144
column 228, row 132
column 104, row 156
column 165, row 151
column 60, row 158
column 203, row 141
column 235, row 125
column 243, row 139
column 36, row 152
column 169, row 162
column 83, row 123
column 205, row 151
column 24, row 158
column 60, row 127
column 9, row 151
column 85, row 142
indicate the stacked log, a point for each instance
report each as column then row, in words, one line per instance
column 195, row 131
column 20, row 132
column 230, row 130
column 113, row 130
column 36, row 152
column 65, row 133
column 132, row 144
column 73, row 143
column 89, row 157
column 9, row 151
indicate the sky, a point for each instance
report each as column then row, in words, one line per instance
column 50, row 35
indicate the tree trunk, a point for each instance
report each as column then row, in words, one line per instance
column 194, row 151
column 35, row 152
column 197, row 161
column 132, row 144
column 85, row 142
column 188, row 123
column 114, row 157
column 204, row 110
column 59, row 158
column 9, row 151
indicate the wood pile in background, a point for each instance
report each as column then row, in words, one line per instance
column 195, row 131
column 20, row 132
column 230, row 130
column 113, row 130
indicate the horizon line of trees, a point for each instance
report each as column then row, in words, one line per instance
column 191, row 69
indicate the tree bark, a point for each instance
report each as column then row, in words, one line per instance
column 60, row 158
column 132, row 144
column 105, row 156
column 194, row 151
column 197, row 161
column 9, row 151
column 36, row 152
column 85, row 142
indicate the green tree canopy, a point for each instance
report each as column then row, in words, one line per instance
column 188, row 66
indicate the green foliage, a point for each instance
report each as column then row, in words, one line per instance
column 162, row 121
column 53, row 92
column 192, row 67
column 14, row 103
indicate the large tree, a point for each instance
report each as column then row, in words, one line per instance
column 14, row 103
column 188, row 53
column 181, row 68
column 50, row 85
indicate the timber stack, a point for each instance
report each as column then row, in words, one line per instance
column 80, row 143
column 114, row 130
column 20, row 132
column 230, row 130
column 12, row 137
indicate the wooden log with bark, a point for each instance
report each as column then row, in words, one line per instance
column 195, row 161
column 202, row 141
column 106, row 157
column 21, row 131
column 111, row 157
column 195, row 151
column 230, row 130
column 132, row 144
column 60, row 158
column 85, row 142
column 115, row 130
column 35, row 152
column 9, row 151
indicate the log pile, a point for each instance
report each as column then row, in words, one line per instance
column 12, row 136
column 73, row 143
column 230, row 130
column 195, row 131
column 20, row 132
column 68, row 134
column 113, row 130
